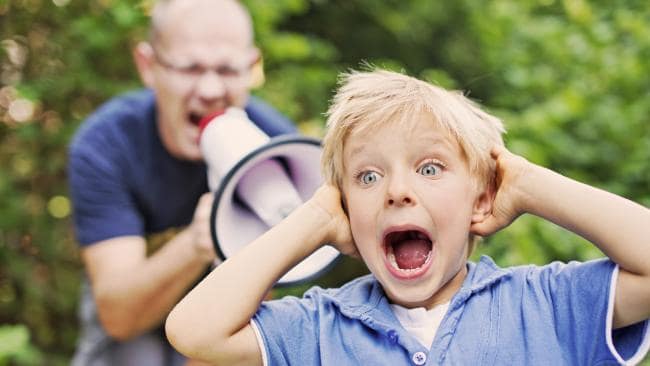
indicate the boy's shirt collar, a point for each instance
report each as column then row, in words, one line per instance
column 364, row 298
column 480, row 276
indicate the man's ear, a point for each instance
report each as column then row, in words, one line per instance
column 143, row 56
column 483, row 204
column 257, row 68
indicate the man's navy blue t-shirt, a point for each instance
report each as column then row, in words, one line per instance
column 122, row 179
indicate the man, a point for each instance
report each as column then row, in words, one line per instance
column 138, row 183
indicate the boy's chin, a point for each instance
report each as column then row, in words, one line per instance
column 411, row 303
column 426, row 293
column 411, row 297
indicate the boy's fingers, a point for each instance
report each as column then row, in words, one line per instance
column 486, row 227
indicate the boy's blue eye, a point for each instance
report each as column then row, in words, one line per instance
column 429, row 169
column 369, row 177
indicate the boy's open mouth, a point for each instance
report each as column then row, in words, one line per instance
column 407, row 251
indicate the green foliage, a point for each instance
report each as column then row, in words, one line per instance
column 58, row 64
column 569, row 78
column 15, row 346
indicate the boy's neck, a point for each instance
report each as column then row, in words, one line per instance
column 444, row 294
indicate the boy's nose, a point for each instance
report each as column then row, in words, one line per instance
column 399, row 193
column 399, row 201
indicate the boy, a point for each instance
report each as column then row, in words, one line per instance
column 420, row 171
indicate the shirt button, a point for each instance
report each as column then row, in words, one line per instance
column 419, row 358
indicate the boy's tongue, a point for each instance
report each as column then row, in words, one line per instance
column 411, row 253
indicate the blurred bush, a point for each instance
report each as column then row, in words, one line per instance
column 16, row 347
column 569, row 77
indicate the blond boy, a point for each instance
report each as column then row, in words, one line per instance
column 421, row 171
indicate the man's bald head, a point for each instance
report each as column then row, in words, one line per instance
column 225, row 19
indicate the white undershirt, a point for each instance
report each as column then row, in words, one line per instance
column 420, row 322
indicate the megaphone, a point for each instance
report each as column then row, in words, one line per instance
column 258, row 181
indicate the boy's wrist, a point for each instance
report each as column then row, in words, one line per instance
column 532, row 188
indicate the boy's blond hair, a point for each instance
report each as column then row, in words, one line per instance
column 369, row 100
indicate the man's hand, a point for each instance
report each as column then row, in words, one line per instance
column 509, row 197
column 200, row 228
column 327, row 199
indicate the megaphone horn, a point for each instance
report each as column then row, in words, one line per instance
column 257, row 182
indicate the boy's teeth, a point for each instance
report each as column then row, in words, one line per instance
column 393, row 262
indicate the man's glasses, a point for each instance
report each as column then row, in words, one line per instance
column 192, row 72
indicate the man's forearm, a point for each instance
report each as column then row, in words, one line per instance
column 138, row 299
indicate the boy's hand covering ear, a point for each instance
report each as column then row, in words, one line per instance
column 327, row 199
column 508, row 196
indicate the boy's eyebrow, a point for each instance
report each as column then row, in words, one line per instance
column 437, row 140
column 358, row 149
column 447, row 143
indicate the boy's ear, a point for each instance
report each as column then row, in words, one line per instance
column 483, row 204
column 144, row 59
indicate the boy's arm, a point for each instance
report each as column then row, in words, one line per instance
column 212, row 323
column 619, row 227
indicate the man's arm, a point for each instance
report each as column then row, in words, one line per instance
column 212, row 323
column 617, row 226
column 134, row 293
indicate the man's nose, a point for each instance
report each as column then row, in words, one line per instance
column 399, row 192
column 210, row 86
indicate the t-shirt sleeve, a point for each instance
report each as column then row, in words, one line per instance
column 102, row 204
column 288, row 330
column 630, row 344
column 582, row 300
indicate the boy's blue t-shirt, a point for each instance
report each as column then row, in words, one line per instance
column 122, row 179
column 558, row 314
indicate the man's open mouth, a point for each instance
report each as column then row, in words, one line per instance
column 195, row 118
column 408, row 251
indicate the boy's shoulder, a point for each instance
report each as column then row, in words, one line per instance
column 358, row 295
column 561, row 279
column 562, row 269
column 486, row 273
column 486, row 267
